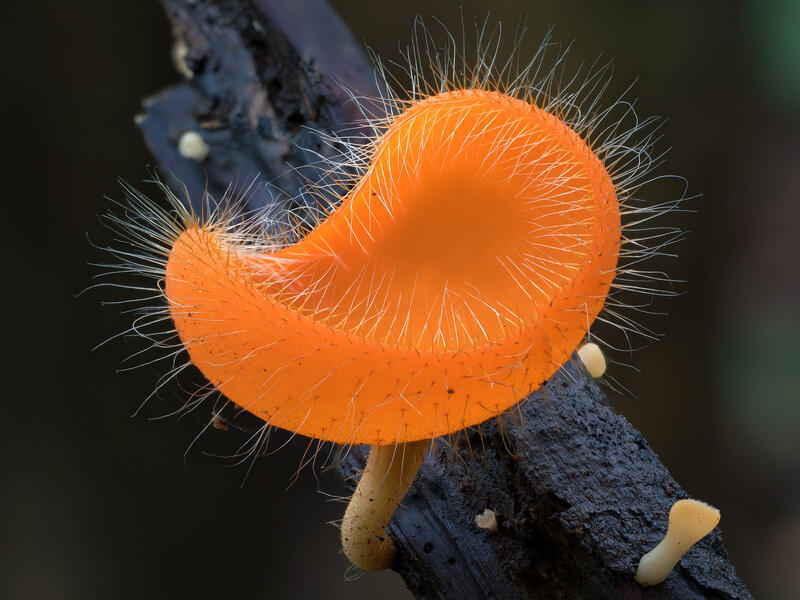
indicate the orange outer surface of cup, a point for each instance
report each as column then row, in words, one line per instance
column 459, row 274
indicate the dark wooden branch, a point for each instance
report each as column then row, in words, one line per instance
column 578, row 493
column 265, row 78
column 579, row 497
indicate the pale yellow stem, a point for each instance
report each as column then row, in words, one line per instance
column 385, row 480
column 689, row 522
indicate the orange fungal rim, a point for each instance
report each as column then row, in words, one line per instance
column 624, row 161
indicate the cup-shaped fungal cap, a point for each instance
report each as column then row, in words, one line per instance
column 459, row 274
column 689, row 522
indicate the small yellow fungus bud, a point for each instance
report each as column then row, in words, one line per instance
column 179, row 52
column 592, row 358
column 487, row 520
column 689, row 522
column 192, row 145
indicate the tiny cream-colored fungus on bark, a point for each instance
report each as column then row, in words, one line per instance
column 487, row 520
column 385, row 480
column 592, row 358
column 192, row 145
column 689, row 522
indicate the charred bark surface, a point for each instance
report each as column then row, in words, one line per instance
column 579, row 496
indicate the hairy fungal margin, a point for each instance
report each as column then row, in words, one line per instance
column 492, row 220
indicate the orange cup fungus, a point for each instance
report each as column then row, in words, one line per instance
column 459, row 274
column 465, row 265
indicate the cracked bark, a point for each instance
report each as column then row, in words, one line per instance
column 578, row 494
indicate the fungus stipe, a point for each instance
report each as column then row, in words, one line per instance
column 463, row 265
column 389, row 473
column 689, row 522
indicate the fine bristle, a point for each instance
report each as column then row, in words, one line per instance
column 310, row 330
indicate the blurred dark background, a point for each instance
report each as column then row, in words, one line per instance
column 95, row 503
